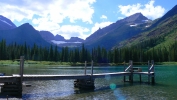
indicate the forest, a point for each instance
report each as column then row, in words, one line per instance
column 141, row 52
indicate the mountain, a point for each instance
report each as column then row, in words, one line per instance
column 46, row 35
column 75, row 39
column 135, row 19
column 162, row 33
column 24, row 33
column 59, row 38
column 72, row 42
column 6, row 24
column 123, row 29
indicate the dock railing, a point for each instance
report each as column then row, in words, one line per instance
column 130, row 67
column 151, row 72
column 151, row 69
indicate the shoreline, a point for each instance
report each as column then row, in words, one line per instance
column 50, row 63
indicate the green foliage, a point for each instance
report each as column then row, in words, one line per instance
column 141, row 52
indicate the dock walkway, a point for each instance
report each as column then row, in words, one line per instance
column 85, row 80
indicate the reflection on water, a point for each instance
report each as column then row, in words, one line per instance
column 108, row 88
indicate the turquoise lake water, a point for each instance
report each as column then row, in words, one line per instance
column 108, row 88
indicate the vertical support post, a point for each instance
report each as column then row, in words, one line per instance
column 153, row 75
column 152, row 62
column 140, row 78
column 153, row 78
column 21, row 68
column 148, row 71
column 92, row 68
column 124, row 71
column 131, row 71
column 85, row 67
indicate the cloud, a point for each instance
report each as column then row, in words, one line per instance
column 51, row 14
column 103, row 17
column 73, row 31
column 54, row 9
column 65, row 30
column 100, row 25
column 120, row 18
column 148, row 10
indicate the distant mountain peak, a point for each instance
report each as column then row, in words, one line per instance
column 75, row 39
column 59, row 38
column 136, row 18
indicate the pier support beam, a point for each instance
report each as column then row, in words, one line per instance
column 124, row 78
column 14, row 88
column 85, row 68
column 153, row 79
column 84, row 84
column 140, row 78
column 131, row 70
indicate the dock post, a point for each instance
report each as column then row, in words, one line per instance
column 131, row 71
column 92, row 68
column 140, row 78
column 21, row 68
column 148, row 72
column 153, row 75
column 124, row 71
column 14, row 88
column 153, row 78
column 85, row 67
column 21, row 74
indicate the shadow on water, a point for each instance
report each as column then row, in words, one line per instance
column 80, row 91
column 47, row 94
column 123, row 85
column 5, row 96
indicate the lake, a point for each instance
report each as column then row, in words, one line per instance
column 108, row 88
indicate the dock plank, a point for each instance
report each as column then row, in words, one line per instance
column 28, row 77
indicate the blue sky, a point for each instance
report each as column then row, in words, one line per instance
column 71, row 18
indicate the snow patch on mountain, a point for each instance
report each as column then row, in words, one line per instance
column 5, row 22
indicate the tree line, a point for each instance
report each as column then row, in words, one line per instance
column 141, row 52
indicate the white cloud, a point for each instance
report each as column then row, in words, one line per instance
column 65, row 30
column 103, row 17
column 51, row 14
column 120, row 18
column 148, row 10
column 73, row 31
column 56, row 10
column 100, row 25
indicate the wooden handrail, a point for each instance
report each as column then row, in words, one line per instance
column 151, row 69
column 128, row 68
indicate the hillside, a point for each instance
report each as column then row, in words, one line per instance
column 164, row 33
column 123, row 29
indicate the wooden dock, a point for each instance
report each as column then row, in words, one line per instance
column 13, row 84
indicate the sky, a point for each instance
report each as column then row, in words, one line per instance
column 79, row 18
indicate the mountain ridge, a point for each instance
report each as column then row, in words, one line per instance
column 163, row 32
column 6, row 24
column 23, row 34
column 109, row 36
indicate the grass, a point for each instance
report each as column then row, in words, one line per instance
column 50, row 63
column 167, row 63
